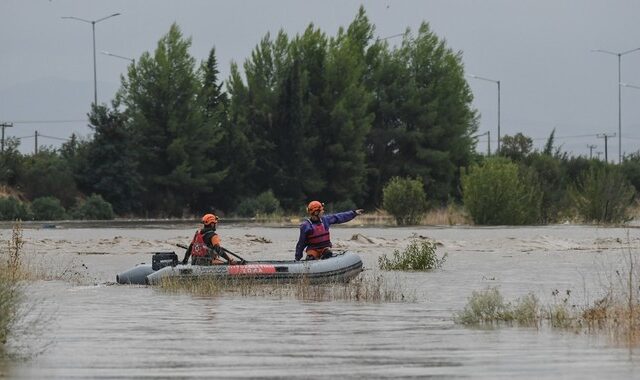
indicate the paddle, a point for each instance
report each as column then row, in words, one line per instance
column 242, row 261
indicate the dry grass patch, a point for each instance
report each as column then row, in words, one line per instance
column 452, row 215
column 11, row 290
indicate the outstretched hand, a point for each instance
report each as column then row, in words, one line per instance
column 359, row 211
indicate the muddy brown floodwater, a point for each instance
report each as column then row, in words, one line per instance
column 97, row 329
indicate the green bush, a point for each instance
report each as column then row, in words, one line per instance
column 496, row 193
column 488, row 306
column 13, row 209
column 405, row 200
column 484, row 306
column 264, row 204
column 268, row 203
column 549, row 173
column 47, row 174
column 603, row 195
column 631, row 169
column 47, row 208
column 419, row 255
column 93, row 208
column 247, row 208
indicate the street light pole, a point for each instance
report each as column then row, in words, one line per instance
column 619, row 55
column 119, row 56
column 498, row 83
column 629, row 85
column 93, row 29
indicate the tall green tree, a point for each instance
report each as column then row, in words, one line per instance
column 254, row 105
column 340, row 154
column 424, row 119
column 161, row 97
column 108, row 164
column 214, row 104
column 11, row 162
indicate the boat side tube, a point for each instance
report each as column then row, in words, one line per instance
column 136, row 275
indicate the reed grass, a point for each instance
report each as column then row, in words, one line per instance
column 11, row 291
column 364, row 288
column 617, row 314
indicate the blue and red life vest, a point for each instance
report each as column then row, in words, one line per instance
column 318, row 237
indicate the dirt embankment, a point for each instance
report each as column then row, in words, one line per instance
column 6, row 191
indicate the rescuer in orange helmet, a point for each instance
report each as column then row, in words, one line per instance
column 205, row 247
column 314, row 231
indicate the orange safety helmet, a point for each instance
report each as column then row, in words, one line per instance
column 209, row 219
column 315, row 207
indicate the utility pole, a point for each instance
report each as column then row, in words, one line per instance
column 591, row 148
column 4, row 125
column 605, row 137
column 36, row 145
column 488, row 133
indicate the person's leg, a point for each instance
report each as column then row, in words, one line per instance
column 326, row 254
column 313, row 254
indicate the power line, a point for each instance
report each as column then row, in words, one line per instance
column 41, row 135
column 48, row 121
column 566, row 137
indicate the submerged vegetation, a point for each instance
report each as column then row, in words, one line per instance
column 419, row 255
column 364, row 288
column 616, row 314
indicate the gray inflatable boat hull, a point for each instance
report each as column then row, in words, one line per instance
column 340, row 268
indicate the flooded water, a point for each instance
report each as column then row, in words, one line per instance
column 96, row 329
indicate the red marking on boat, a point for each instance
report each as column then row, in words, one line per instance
column 252, row 269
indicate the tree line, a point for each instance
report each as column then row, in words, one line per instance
column 311, row 116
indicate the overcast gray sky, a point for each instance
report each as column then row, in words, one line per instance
column 540, row 50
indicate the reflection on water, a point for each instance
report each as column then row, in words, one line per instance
column 113, row 331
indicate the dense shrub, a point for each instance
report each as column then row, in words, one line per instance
column 11, row 162
column 419, row 255
column 603, row 195
column 548, row 171
column 264, row 204
column 488, row 306
column 93, row 208
column 12, row 209
column 267, row 203
column 47, row 174
column 47, row 208
column 405, row 200
column 631, row 169
column 498, row 193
